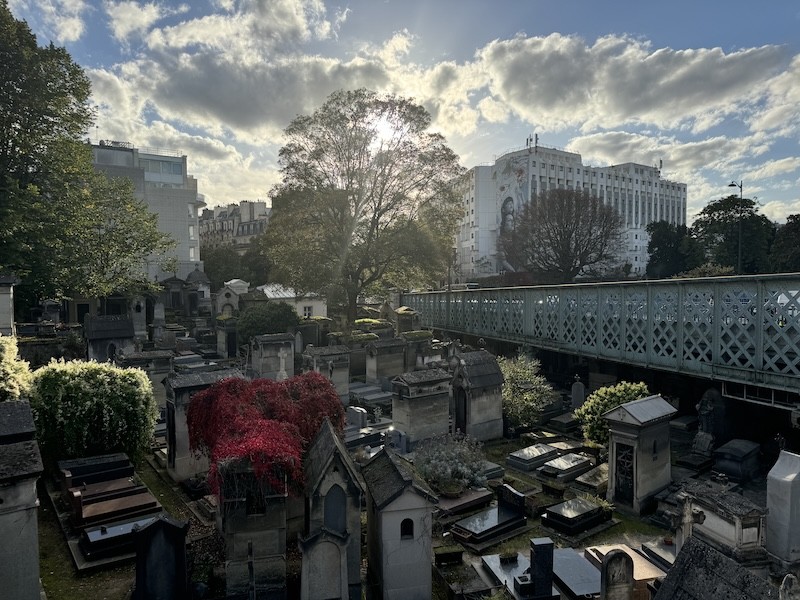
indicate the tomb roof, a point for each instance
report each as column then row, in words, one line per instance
column 422, row 376
column 727, row 501
column 16, row 422
column 267, row 338
column 702, row 573
column 387, row 476
column 20, row 461
column 643, row 411
column 197, row 276
column 480, row 369
column 326, row 350
column 179, row 381
column 387, row 343
column 321, row 453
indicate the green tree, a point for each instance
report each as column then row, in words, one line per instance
column 784, row 256
column 525, row 391
column 256, row 264
column 672, row 250
column 265, row 317
column 64, row 229
column 221, row 264
column 590, row 414
column 15, row 374
column 561, row 234
column 86, row 408
column 730, row 227
column 366, row 196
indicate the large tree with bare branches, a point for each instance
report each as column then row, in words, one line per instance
column 366, row 198
column 561, row 234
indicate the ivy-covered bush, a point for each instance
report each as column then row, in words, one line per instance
column 525, row 392
column 590, row 415
column 87, row 408
column 15, row 374
column 267, row 424
column 450, row 463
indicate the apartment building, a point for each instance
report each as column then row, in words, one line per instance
column 161, row 181
column 493, row 194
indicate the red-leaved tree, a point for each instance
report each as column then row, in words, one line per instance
column 266, row 423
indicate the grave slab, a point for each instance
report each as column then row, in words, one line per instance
column 532, row 457
column 594, row 481
column 575, row 516
column 564, row 468
column 574, row 574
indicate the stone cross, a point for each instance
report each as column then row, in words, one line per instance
column 282, row 354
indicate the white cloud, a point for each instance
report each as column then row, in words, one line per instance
column 60, row 21
column 559, row 81
column 128, row 17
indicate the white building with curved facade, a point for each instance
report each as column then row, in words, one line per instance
column 493, row 194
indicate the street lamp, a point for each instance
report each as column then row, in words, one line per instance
column 741, row 201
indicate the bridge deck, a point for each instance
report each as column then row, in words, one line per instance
column 741, row 329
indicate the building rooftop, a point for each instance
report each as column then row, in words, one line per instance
column 387, row 476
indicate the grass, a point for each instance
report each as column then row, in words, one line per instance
column 59, row 578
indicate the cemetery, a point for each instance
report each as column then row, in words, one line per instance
column 335, row 523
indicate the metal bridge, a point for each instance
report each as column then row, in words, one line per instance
column 743, row 329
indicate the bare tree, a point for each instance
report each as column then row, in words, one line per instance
column 561, row 234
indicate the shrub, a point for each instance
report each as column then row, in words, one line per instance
column 595, row 427
column 450, row 462
column 15, row 374
column 87, row 408
column 525, row 391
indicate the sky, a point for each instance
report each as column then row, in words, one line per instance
column 711, row 88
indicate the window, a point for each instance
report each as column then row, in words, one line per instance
column 308, row 312
column 192, row 254
column 191, row 232
column 407, row 529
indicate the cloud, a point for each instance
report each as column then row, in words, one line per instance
column 128, row 17
column 59, row 20
column 559, row 81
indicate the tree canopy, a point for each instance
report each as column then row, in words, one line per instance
column 732, row 227
column 64, row 229
column 263, row 318
column 785, row 251
column 671, row 250
column 525, row 391
column 590, row 414
column 561, row 234
column 366, row 198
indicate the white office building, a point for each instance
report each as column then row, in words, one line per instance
column 160, row 179
column 493, row 194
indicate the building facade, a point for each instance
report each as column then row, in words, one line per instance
column 492, row 195
column 234, row 225
column 161, row 181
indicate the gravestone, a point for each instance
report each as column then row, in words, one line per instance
column 594, row 482
column 334, row 363
column 616, row 576
column 272, row 356
column 421, row 403
column 161, row 572
column 578, row 393
column 493, row 524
